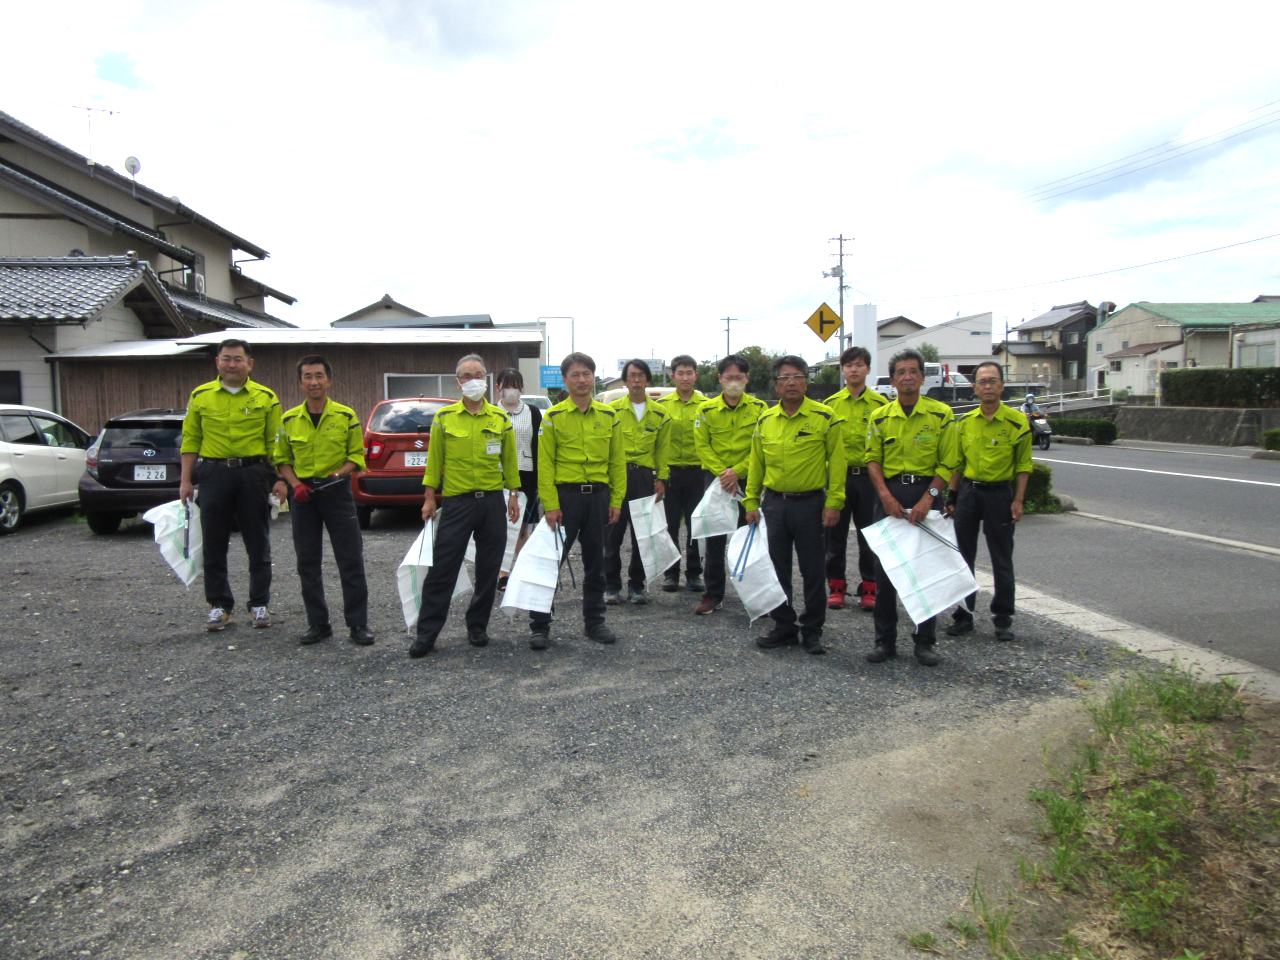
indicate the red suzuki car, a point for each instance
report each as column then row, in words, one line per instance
column 395, row 450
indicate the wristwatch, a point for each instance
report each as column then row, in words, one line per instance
column 934, row 491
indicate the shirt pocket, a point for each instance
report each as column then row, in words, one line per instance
column 457, row 440
column 595, row 440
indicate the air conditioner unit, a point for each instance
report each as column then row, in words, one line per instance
column 200, row 284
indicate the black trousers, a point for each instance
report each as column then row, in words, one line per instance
column 797, row 524
column 640, row 485
column 859, row 506
column 716, row 546
column 331, row 509
column 992, row 509
column 239, row 495
column 684, row 492
column 585, row 517
column 886, row 612
column 459, row 519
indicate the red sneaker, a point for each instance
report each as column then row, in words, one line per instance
column 709, row 604
column 867, row 595
column 836, row 600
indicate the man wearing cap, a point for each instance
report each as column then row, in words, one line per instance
column 228, row 440
column 581, row 481
column 684, row 471
column 988, row 490
column 321, row 444
column 797, row 461
column 473, row 447
column 854, row 404
column 723, row 433
column 911, row 451
column 644, row 427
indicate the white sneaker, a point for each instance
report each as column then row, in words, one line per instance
column 260, row 616
column 217, row 619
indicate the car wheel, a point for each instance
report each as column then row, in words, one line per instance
column 1044, row 441
column 365, row 516
column 10, row 507
column 103, row 522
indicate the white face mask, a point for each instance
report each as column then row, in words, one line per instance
column 511, row 396
column 734, row 388
column 473, row 389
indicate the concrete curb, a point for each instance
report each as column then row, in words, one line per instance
column 1265, row 455
column 1080, row 441
column 1202, row 663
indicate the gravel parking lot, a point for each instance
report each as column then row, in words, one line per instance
column 170, row 793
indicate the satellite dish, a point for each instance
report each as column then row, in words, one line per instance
column 132, row 165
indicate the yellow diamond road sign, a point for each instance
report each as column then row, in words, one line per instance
column 824, row 322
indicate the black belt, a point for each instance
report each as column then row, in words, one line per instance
column 234, row 461
column 638, row 466
column 686, row 466
column 989, row 484
column 476, row 493
column 582, row 487
column 907, row 478
column 857, row 470
column 805, row 495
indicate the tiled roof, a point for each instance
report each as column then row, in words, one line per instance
column 1142, row 349
column 1057, row 316
column 215, row 311
column 75, row 289
column 1032, row 348
column 1212, row 314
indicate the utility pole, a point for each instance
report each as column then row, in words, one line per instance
column 727, row 321
column 838, row 272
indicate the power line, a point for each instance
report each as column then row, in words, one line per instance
column 1083, row 276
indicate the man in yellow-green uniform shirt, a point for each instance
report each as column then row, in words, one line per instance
column 854, row 404
column 911, row 451
column 797, row 463
column 722, row 434
column 684, row 471
column 228, row 441
column 988, row 488
column 321, row 444
column 582, row 480
column 645, row 441
column 472, row 451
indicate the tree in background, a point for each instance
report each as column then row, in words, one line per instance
column 828, row 378
column 929, row 352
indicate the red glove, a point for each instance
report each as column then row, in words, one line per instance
column 301, row 492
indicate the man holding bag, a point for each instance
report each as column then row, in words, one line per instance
column 321, row 444
column 684, row 487
column 722, row 435
column 797, row 460
column 473, row 446
column 644, row 449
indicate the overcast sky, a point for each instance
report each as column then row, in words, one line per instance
column 651, row 169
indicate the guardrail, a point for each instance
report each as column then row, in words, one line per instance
column 1058, row 402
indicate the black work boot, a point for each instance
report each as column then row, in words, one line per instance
column 812, row 643
column 960, row 625
column 361, row 636
column 477, row 637
column 882, row 652
column 671, row 583
column 315, row 634
column 778, row 637
column 421, row 648
column 925, row 653
column 601, row 634
column 539, row 639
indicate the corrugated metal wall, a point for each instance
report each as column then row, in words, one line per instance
column 93, row 391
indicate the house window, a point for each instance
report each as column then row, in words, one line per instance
column 10, row 386
column 1117, row 366
column 1072, row 370
column 1171, row 364
column 1097, row 347
column 1124, row 344
column 1073, row 336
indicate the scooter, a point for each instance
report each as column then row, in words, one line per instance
column 1041, row 432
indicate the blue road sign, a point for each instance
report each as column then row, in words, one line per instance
column 551, row 377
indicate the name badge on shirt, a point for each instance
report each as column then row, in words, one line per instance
column 493, row 448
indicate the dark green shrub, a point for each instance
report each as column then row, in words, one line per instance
column 1271, row 439
column 1098, row 430
column 1240, row 387
column 1039, row 495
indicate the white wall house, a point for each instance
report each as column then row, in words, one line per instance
column 962, row 343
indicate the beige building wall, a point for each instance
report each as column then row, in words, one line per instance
column 19, row 352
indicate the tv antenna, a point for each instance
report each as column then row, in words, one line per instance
column 88, row 115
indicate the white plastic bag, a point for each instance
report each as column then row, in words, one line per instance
column 412, row 573
column 532, row 583
column 649, row 521
column 716, row 514
column 180, row 539
column 753, row 575
column 924, row 565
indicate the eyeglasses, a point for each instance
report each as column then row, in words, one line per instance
column 988, row 382
column 468, row 377
column 729, row 379
column 792, row 378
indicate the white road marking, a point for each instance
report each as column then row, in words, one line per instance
column 1165, row 473
column 1221, row 541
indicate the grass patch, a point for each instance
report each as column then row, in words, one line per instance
column 1163, row 836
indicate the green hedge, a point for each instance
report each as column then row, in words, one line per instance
column 1099, row 431
column 1271, row 439
column 1241, row 387
column 1039, row 495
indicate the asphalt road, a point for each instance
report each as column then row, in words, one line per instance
column 1217, row 597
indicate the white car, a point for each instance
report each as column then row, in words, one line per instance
column 41, row 460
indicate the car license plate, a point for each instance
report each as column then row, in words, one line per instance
column 149, row 472
column 415, row 459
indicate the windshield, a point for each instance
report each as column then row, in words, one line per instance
column 405, row 416
column 156, row 435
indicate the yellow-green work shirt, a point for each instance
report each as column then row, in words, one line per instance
column 855, row 413
column 996, row 449
column 723, row 434
column 682, row 414
column 317, row 450
column 576, row 446
column 473, row 451
column 645, row 441
column 796, row 454
column 923, row 444
column 220, row 424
